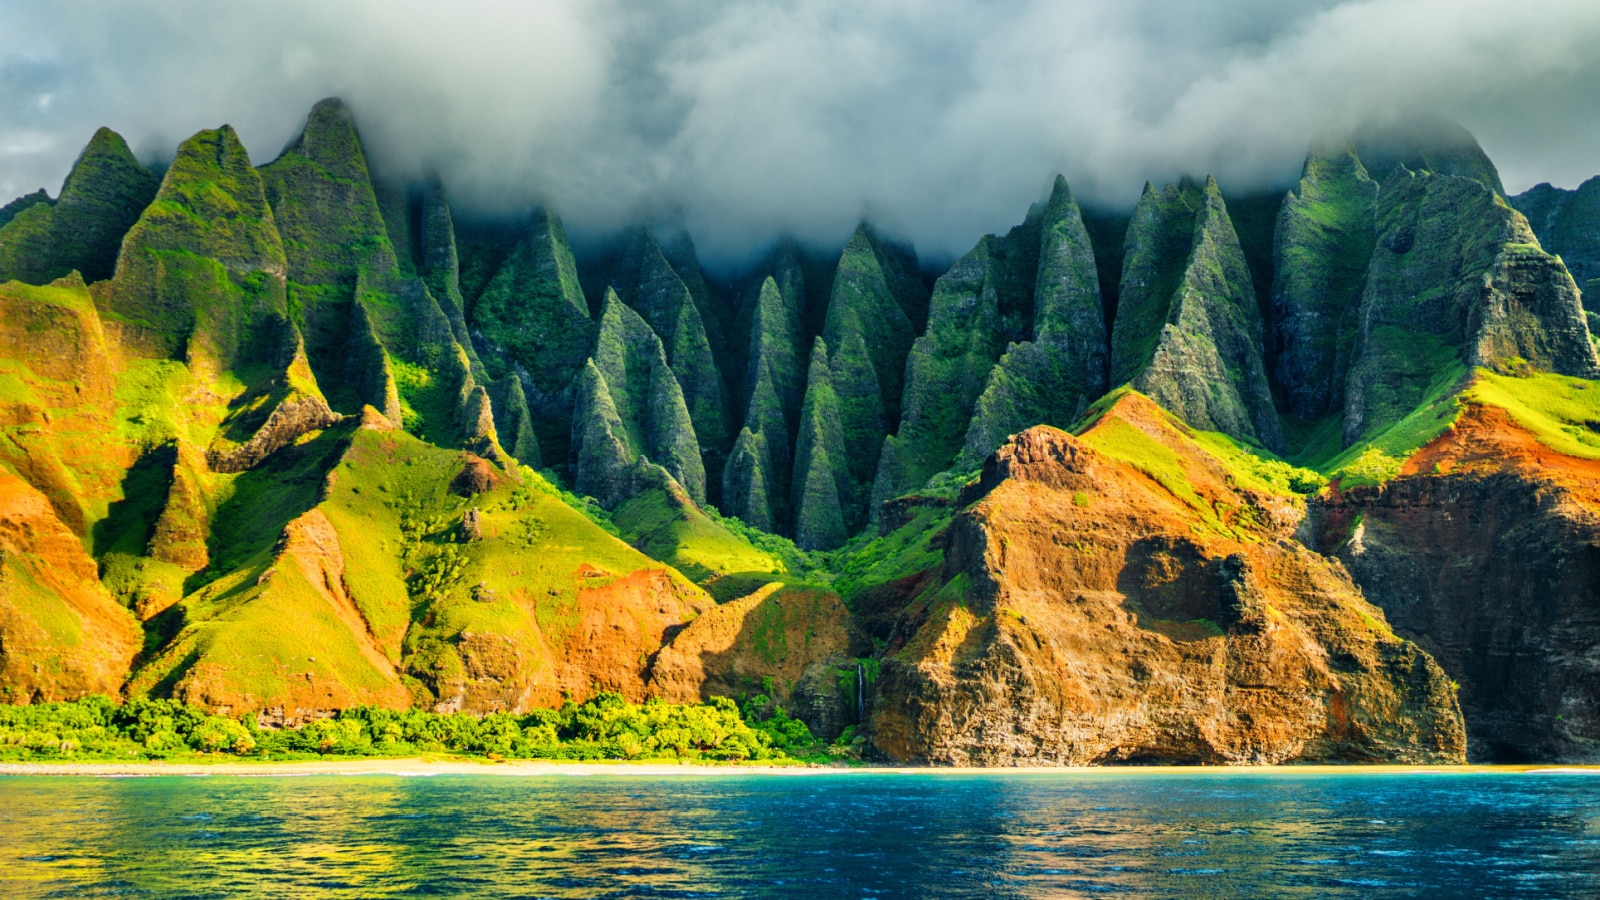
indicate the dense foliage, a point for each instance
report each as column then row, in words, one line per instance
column 603, row 727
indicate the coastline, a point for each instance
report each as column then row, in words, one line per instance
column 430, row 766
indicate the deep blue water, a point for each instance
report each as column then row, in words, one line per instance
column 859, row 835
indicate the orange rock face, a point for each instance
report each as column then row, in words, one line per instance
column 61, row 634
column 1088, row 613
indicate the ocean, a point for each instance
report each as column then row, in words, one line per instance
column 1111, row 833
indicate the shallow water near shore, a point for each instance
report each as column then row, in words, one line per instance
column 1274, row 834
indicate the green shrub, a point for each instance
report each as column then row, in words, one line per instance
column 606, row 726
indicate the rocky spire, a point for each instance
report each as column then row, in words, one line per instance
column 1188, row 331
column 821, row 474
column 534, row 323
column 648, row 282
column 745, row 490
column 441, row 267
column 629, row 405
column 325, row 207
column 201, row 278
column 205, row 261
column 949, row 364
column 876, row 298
column 103, row 196
column 1051, row 379
column 1323, row 245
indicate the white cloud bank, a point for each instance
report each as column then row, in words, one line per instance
column 938, row 119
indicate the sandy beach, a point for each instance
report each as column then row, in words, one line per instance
column 428, row 766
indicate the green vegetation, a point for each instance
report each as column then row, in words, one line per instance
column 1562, row 412
column 871, row 560
column 1379, row 456
column 604, row 727
column 649, row 284
column 82, row 231
column 1325, row 240
column 678, row 533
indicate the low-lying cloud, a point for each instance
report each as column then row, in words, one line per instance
column 938, row 119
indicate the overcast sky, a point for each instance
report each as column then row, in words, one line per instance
column 938, row 119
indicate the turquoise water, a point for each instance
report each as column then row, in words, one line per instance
column 849, row 835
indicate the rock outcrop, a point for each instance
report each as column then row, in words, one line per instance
column 1486, row 551
column 1092, row 609
column 1568, row 225
column 1188, row 332
column 81, row 231
column 1324, row 240
column 629, row 406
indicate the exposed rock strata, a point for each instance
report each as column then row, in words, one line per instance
column 1088, row 614
column 1486, row 551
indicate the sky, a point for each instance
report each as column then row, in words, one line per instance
column 938, row 120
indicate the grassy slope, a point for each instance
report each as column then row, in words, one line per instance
column 689, row 540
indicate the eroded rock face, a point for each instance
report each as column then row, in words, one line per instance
column 62, row 636
column 1568, row 225
column 784, row 641
column 1088, row 614
column 1456, row 275
column 1493, row 565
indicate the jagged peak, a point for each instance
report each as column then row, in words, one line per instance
column 104, row 145
column 819, row 361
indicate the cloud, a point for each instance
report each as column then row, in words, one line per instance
column 939, row 119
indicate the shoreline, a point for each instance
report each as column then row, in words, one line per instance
column 432, row 766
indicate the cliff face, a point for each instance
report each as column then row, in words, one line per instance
column 81, row 231
column 1568, row 225
column 1090, row 611
column 1486, row 551
column 1323, row 244
column 1457, row 275
column 1188, row 332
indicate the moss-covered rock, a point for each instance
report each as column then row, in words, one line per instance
column 745, row 491
column 1457, row 279
column 1568, row 225
column 949, row 364
column 202, row 279
column 81, row 231
column 647, row 281
column 533, row 321
column 1323, row 245
column 441, row 267
column 1188, row 332
column 346, row 282
column 514, row 422
column 628, row 405
column 1016, row 337
column 877, row 297
column 822, row 477
column 14, row 208
column 1051, row 378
